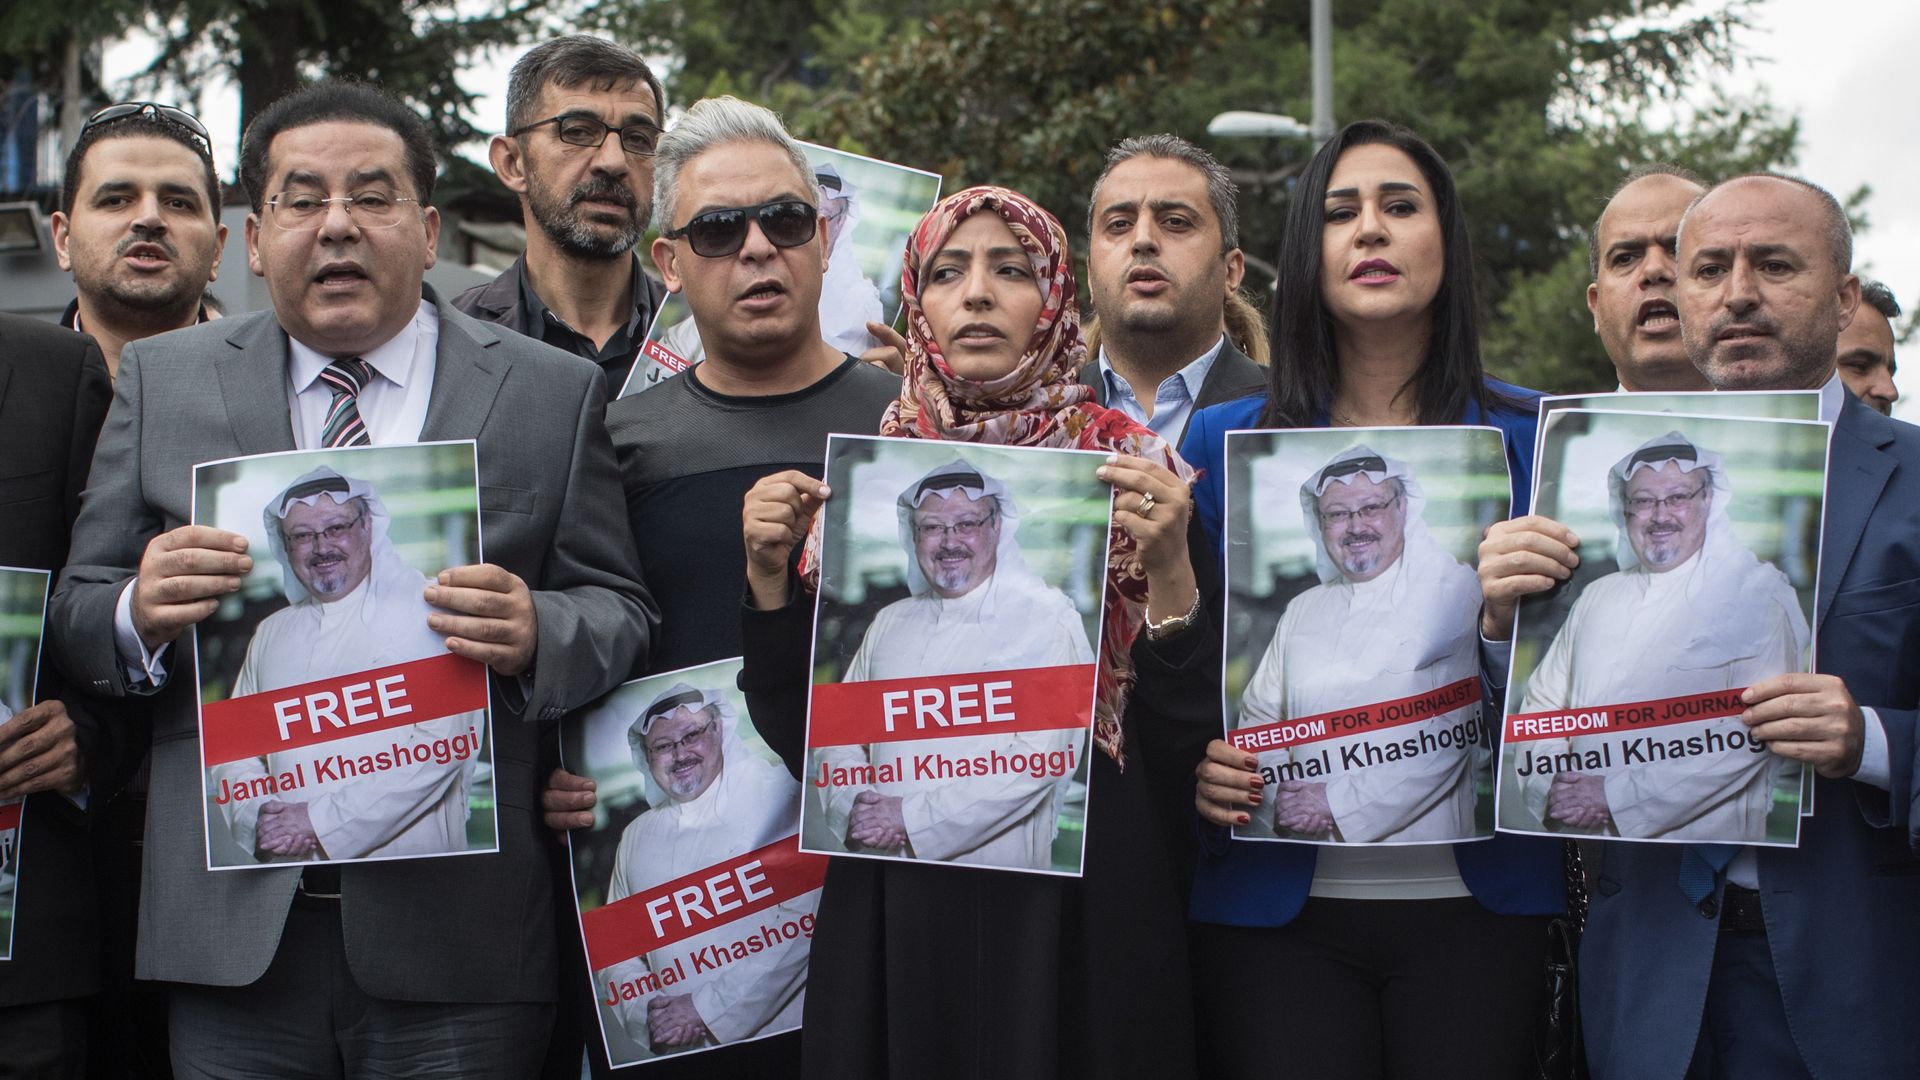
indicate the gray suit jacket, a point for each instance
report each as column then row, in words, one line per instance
column 467, row 928
column 1232, row 376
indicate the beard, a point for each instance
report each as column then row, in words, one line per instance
column 952, row 578
column 1663, row 549
column 1797, row 361
column 1356, row 563
column 559, row 218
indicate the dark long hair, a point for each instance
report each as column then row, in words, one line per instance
column 1305, row 370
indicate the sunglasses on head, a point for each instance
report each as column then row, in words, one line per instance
column 718, row 233
column 178, row 117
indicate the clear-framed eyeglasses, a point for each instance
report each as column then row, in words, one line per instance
column 967, row 529
column 304, row 211
column 302, row 539
column 1642, row 505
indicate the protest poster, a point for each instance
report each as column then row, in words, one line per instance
column 696, row 904
column 334, row 724
column 23, row 614
column 1699, row 551
column 961, row 592
column 870, row 207
column 1758, row 404
column 1352, row 667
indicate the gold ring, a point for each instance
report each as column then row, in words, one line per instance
column 1146, row 505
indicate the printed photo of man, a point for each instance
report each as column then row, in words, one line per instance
column 353, row 604
column 973, row 605
column 1392, row 617
column 710, row 798
column 1690, row 610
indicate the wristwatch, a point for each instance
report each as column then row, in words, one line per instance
column 1174, row 624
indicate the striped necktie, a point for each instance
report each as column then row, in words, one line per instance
column 343, row 427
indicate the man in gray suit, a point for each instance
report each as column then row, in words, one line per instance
column 446, row 964
column 1163, row 265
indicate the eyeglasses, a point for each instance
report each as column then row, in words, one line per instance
column 965, row 530
column 178, row 117
column 299, row 211
column 684, row 742
column 718, row 233
column 585, row 129
column 1642, row 505
column 1369, row 512
column 304, row 539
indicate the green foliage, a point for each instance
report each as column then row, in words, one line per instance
column 1539, row 108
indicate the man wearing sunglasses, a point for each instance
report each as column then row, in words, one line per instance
column 442, row 967
column 583, row 117
column 741, row 238
column 139, row 224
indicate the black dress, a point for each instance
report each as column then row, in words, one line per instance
column 938, row 971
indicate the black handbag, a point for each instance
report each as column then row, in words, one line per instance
column 1559, row 1052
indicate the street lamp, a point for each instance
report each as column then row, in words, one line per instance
column 1241, row 124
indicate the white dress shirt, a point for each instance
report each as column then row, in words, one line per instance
column 393, row 406
column 1172, row 400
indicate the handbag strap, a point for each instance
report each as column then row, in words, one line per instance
column 1576, row 885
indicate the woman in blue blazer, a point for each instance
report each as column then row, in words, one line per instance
column 1367, row 961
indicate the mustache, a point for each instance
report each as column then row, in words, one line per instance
column 140, row 235
column 604, row 187
column 1364, row 536
column 1759, row 323
column 953, row 551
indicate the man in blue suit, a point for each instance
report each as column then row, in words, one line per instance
column 1702, row 961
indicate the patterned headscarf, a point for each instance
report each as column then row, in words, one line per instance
column 1041, row 402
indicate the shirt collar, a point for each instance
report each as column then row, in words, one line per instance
column 392, row 358
column 1190, row 376
column 1833, row 395
column 640, row 303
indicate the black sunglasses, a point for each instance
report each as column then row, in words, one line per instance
column 178, row 117
column 718, row 233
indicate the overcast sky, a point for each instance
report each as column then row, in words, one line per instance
column 1848, row 78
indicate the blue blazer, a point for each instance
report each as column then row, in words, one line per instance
column 1842, row 909
column 1260, row 884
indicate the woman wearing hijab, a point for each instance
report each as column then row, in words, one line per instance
column 1421, row 960
column 937, row 971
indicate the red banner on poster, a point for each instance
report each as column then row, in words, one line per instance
column 707, row 898
column 1358, row 721
column 328, row 709
column 9, row 816
column 666, row 357
column 944, row 706
column 1633, row 716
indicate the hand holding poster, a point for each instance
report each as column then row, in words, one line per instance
column 696, row 905
column 868, row 209
column 1699, row 544
column 23, row 609
column 961, row 588
column 1352, row 668
column 334, row 724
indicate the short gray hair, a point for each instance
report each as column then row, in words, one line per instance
column 571, row 61
column 1222, row 194
column 1877, row 296
column 709, row 123
column 1838, row 229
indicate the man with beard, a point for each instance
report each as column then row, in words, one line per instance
column 138, row 225
column 1163, row 261
column 583, row 118
column 974, row 606
column 1715, row 961
column 354, row 605
column 1630, row 253
column 850, row 298
column 1691, row 610
column 1866, row 348
column 1392, row 617
column 711, row 799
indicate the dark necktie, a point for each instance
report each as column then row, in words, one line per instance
column 346, row 378
column 1700, row 868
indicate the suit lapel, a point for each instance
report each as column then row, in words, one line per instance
column 1090, row 376
column 1856, row 474
column 6, row 372
column 467, row 376
column 1231, row 376
column 253, row 383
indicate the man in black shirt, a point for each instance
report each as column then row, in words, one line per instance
column 583, row 117
column 742, row 239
